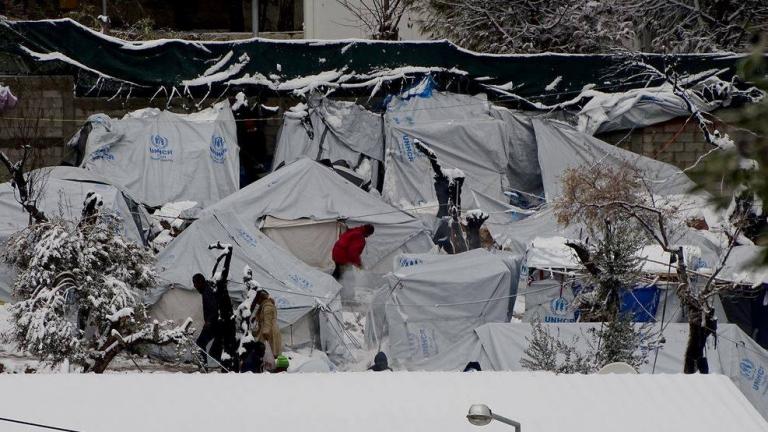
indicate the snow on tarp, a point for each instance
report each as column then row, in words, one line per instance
column 431, row 301
column 561, row 147
column 161, row 157
column 380, row 402
column 298, row 290
column 499, row 347
column 65, row 190
column 306, row 189
column 338, row 130
column 460, row 130
column 741, row 266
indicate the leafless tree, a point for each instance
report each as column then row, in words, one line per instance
column 379, row 18
column 595, row 193
column 28, row 186
column 667, row 26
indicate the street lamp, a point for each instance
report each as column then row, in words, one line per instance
column 481, row 415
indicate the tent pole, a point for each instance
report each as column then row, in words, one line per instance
column 254, row 17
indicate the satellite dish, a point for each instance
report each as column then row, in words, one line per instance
column 617, row 368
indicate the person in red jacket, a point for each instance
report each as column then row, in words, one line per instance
column 349, row 247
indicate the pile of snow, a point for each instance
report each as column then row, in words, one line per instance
column 375, row 402
column 240, row 101
column 170, row 220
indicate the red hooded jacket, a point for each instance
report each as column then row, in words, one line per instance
column 349, row 246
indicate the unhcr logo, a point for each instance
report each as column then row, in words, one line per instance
column 247, row 237
column 559, row 306
column 408, row 148
column 102, row 153
column 747, row 368
column 218, row 149
column 158, row 148
column 409, row 261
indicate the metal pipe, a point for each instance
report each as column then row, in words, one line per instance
column 254, row 17
column 104, row 7
column 505, row 420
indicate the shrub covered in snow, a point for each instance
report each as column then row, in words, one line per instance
column 80, row 287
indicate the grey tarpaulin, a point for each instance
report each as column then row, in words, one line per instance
column 523, row 172
column 306, row 189
column 499, row 347
column 561, row 147
column 301, row 293
column 463, row 134
column 334, row 130
column 64, row 191
column 431, row 301
column 164, row 157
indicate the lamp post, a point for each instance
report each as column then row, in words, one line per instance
column 481, row 415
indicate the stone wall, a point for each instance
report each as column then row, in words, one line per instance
column 679, row 142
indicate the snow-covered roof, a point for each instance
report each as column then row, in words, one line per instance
column 374, row 402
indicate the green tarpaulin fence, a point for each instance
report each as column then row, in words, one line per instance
column 64, row 46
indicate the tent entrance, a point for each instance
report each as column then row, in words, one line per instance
column 308, row 240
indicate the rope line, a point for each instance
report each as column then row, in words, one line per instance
column 37, row 425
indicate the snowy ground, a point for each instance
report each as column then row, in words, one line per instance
column 301, row 361
column 372, row 402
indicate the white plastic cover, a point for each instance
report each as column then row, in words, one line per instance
column 340, row 130
column 308, row 189
column 499, row 347
column 296, row 288
column 162, row 157
column 431, row 301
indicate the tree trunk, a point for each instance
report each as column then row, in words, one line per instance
column 694, row 360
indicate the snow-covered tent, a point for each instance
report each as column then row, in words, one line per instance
column 308, row 301
column 332, row 130
column 431, row 301
column 64, row 189
column 299, row 207
column 500, row 347
column 162, row 157
column 463, row 134
column 561, row 147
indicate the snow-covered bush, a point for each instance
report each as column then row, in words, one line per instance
column 79, row 288
column 616, row 341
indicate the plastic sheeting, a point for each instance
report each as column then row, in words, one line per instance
column 64, row 191
column 162, row 157
column 463, row 134
column 334, row 130
column 308, row 189
column 562, row 147
column 298, row 290
column 431, row 301
column 499, row 347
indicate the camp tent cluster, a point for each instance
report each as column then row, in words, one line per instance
column 339, row 164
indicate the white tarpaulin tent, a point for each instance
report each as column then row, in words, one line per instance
column 377, row 402
column 334, row 130
column 431, row 301
column 499, row 347
column 561, row 147
column 65, row 189
column 313, row 197
column 307, row 300
column 162, row 157
column 463, row 134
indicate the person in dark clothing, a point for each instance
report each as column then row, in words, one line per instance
column 225, row 329
column 253, row 360
column 380, row 363
column 210, row 317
